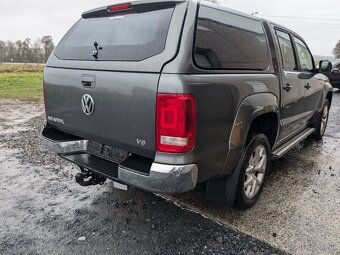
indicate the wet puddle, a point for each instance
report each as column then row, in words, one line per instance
column 15, row 113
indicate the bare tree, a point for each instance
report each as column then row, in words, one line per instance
column 336, row 50
column 18, row 45
column 2, row 51
column 37, row 49
column 10, row 48
column 26, row 50
column 47, row 41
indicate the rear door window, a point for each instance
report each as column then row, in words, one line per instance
column 304, row 56
column 287, row 51
column 229, row 41
column 126, row 37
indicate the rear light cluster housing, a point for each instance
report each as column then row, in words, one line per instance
column 175, row 123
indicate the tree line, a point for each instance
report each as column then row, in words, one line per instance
column 336, row 50
column 39, row 51
column 27, row 51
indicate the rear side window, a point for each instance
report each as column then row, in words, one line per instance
column 128, row 37
column 228, row 41
column 305, row 58
column 287, row 51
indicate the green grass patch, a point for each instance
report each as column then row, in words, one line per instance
column 21, row 85
column 20, row 68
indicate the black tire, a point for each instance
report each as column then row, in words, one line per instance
column 322, row 120
column 245, row 199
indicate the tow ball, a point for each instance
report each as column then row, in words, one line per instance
column 89, row 179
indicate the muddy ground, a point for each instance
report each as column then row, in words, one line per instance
column 42, row 210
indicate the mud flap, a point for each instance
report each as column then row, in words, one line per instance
column 223, row 189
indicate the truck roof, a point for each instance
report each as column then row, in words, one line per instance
column 133, row 2
column 224, row 8
column 202, row 2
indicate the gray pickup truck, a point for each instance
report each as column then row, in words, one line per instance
column 163, row 95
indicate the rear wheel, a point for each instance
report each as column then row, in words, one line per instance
column 255, row 166
column 321, row 124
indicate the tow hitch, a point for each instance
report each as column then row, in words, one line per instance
column 89, row 179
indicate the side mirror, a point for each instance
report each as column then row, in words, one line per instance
column 325, row 66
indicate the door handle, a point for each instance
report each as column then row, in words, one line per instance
column 308, row 86
column 288, row 87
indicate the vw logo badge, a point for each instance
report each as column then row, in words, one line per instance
column 87, row 104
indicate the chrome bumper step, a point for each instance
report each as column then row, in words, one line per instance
column 95, row 164
column 135, row 171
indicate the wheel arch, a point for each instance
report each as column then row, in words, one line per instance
column 253, row 112
column 329, row 96
column 268, row 124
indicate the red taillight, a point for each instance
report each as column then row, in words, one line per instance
column 120, row 7
column 175, row 123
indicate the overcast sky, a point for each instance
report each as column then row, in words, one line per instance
column 317, row 21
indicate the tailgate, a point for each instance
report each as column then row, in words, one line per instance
column 120, row 114
column 101, row 82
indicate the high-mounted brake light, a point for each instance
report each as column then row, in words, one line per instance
column 120, row 7
column 175, row 123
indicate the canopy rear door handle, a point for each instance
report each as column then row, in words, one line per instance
column 308, row 86
column 88, row 80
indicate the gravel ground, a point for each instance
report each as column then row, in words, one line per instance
column 44, row 212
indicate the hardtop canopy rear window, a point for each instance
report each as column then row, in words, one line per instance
column 229, row 41
column 126, row 36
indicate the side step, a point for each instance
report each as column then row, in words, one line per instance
column 284, row 148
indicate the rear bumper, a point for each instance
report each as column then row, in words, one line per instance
column 160, row 178
column 169, row 179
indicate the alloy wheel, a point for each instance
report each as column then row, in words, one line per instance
column 255, row 172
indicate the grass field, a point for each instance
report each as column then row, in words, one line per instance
column 21, row 81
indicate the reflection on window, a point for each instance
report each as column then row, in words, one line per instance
column 228, row 41
column 305, row 58
column 287, row 52
column 128, row 37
